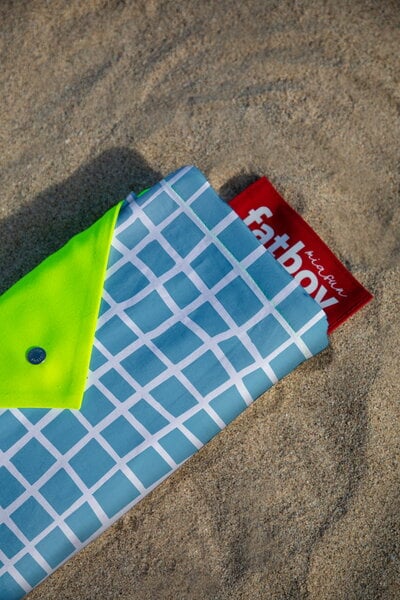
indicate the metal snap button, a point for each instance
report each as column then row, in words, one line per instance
column 36, row 355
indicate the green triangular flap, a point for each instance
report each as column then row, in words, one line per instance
column 54, row 307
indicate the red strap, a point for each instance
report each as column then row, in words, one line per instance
column 301, row 251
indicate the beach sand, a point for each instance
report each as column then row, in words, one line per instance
column 299, row 497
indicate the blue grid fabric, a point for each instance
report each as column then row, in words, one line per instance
column 197, row 320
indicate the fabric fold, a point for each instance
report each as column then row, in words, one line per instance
column 196, row 321
column 48, row 320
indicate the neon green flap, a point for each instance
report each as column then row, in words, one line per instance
column 54, row 309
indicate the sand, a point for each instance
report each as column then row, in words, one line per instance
column 299, row 497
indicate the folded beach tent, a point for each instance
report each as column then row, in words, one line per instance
column 133, row 345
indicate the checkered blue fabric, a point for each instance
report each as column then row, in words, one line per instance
column 196, row 321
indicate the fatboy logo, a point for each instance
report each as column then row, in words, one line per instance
column 300, row 251
column 292, row 259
